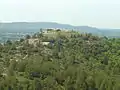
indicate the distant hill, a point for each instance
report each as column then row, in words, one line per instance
column 35, row 27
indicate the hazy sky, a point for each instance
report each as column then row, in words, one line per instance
column 98, row 13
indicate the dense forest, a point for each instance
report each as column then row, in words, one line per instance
column 60, row 60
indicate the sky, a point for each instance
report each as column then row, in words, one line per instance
column 96, row 13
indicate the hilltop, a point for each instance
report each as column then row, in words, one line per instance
column 35, row 27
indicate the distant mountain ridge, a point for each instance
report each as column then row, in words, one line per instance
column 35, row 27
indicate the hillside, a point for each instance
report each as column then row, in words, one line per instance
column 60, row 60
column 35, row 27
